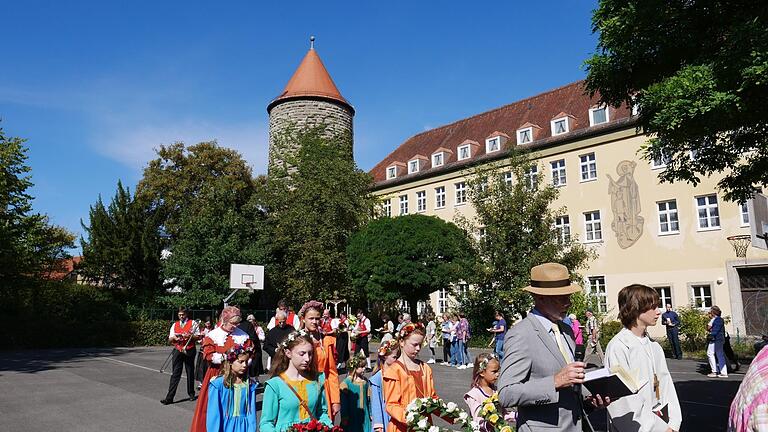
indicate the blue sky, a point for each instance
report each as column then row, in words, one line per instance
column 95, row 86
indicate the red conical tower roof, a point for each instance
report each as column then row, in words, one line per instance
column 311, row 79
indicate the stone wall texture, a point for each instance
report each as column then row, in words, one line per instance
column 304, row 113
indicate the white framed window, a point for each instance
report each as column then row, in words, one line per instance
column 440, row 197
column 708, row 212
column 438, row 159
column 665, row 295
column 701, row 295
column 413, row 166
column 598, row 116
column 532, row 177
column 660, row 162
column 559, row 126
column 492, row 145
column 509, row 178
column 593, row 229
column 442, row 300
column 744, row 210
column 668, row 218
column 558, row 172
column 391, row 172
column 465, row 152
column 481, row 233
column 403, row 205
column 461, row 193
column 563, row 227
column 524, row 136
column 421, row 201
column 388, row 207
column 588, row 167
column 597, row 289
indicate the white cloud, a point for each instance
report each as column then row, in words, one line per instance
column 135, row 146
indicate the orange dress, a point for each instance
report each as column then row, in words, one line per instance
column 217, row 341
column 400, row 389
column 326, row 363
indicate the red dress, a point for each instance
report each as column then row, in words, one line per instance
column 217, row 342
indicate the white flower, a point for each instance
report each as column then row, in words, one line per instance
column 451, row 407
column 410, row 416
column 422, row 423
column 434, row 429
column 412, row 406
column 475, row 425
column 463, row 416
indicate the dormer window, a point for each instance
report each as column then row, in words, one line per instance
column 391, row 172
column 413, row 166
column 598, row 115
column 524, row 136
column 559, row 126
column 492, row 145
column 438, row 159
column 464, row 152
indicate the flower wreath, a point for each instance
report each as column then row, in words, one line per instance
column 387, row 347
column 312, row 304
column 418, row 412
column 491, row 412
column 293, row 336
column 484, row 363
column 233, row 353
column 356, row 360
column 408, row 329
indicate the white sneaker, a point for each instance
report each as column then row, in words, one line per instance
column 430, row 361
column 461, row 367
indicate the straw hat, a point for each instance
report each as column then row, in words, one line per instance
column 551, row 279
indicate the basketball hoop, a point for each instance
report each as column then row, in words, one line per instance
column 740, row 244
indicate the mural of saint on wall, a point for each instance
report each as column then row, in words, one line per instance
column 625, row 202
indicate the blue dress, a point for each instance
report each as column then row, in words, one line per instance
column 355, row 406
column 281, row 408
column 378, row 404
column 231, row 409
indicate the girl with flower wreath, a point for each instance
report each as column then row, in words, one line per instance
column 310, row 315
column 296, row 393
column 389, row 352
column 232, row 396
column 482, row 398
column 355, row 403
column 408, row 378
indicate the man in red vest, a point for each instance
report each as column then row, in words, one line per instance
column 183, row 336
column 363, row 331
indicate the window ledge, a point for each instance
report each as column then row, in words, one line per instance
column 588, row 180
column 669, row 233
column 460, row 205
column 660, row 167
column 560, row 185
column 593, row 241
column 717, row 228
column 439, row 208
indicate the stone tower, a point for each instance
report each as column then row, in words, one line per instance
column 310, row 98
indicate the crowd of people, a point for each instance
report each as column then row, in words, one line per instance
column 535, row 369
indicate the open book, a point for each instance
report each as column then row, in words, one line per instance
column 614, row 383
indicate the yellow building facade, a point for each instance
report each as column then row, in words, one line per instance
column 668, row 236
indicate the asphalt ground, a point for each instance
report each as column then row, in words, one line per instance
column 119, row 389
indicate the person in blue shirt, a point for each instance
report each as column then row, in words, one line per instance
column 499, row 329
column 671, row 321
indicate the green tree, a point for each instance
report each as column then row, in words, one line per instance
column 312, row 211
column 212, row 236
column 409, row 257
column 122, row 246
column 182, row 177
column 29, row 244
column 515, row 230
column 698, row 72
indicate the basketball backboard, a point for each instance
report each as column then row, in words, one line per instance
column 245, row 276
column 758, row 220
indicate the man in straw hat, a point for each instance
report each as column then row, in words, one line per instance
column 538, row 373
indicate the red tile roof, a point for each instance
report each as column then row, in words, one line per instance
column 63, row 268
column 311, row 79
column 537, row 110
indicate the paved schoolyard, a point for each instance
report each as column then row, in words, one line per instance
column 119, row 389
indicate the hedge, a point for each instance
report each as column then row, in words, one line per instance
column 72, row 334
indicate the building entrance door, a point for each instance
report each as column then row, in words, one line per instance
column 754, row 297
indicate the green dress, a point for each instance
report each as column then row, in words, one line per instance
column 355, row 406
column 281, row 408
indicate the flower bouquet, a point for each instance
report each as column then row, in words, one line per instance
column 314, row 426
column 418, row 414
column 494, row 417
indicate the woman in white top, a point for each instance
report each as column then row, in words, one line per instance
column 655, row 407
